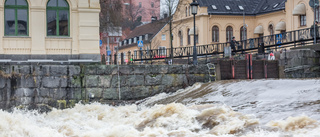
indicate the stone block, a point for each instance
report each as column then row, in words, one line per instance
column 76, row 94
column 101, row 69
column 75, row 82
column 139, row 69
column 91, row 81
column 96, row 92
column 157, row 89
column 140, row 92
column 153, row 79
column 28, row 82
column 105, row 81
column 44, row 92
column 114, row 81
column 25, row 69
column 156, row 69
column 110, row 94
column 167, row 80
column 74, row 70
column 134, row 80
column 51, row 82
column 126, row 70
column 58, row 94
column 176, row 69
column 64, row 82
column 126, row 93
column 111, row 70
column 58, row 70
column 25, row 100
column 89, row 70
column 44, row 70
column 24, row 92
column 2, row 83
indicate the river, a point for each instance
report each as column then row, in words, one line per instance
column 236, row 108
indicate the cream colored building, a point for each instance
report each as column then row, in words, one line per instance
column 217, row 21
column 49, row 29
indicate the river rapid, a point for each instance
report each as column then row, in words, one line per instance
column 242, row 108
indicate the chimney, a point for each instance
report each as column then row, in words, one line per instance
column 153, row 19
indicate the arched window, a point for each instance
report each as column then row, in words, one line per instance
column 58, row 18
column 186, row 11
column 16, row 18
column 229, row 33
column 270, row 28
column 243, row 33
column 189, row 42
column 215, row 34
column 180, row 38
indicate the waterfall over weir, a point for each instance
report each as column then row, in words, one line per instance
column 242, row 108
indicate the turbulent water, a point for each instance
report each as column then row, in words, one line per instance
column 255, row 108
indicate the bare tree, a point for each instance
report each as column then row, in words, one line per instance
column 132, row 17
column 109, row 15
column 171, row 8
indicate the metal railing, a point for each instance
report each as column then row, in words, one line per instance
column 253, row 45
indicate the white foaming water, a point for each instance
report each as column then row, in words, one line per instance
column 257, row 108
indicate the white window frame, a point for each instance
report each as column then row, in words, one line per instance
column 146, row 37
column 135, row 40
column 163, row 37
column 130, row 41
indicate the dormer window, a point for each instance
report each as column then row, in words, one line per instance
column 125, row 42
column 214, row 7
column 146, row 37
column 130, row 41
column 135, row 40
column 140, row 38
column 227, row 7
column 241, row 8
column 275, row 5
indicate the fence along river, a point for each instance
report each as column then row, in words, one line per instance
column 243, row 108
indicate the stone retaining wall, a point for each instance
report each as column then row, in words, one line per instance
column 64, row 85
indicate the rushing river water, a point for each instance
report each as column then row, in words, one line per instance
column 256, row 108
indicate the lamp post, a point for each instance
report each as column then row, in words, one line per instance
column 194, row 10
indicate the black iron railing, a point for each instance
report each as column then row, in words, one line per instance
column 254, row 45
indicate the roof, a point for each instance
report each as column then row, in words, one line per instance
column 250, row 7
column 150, row 28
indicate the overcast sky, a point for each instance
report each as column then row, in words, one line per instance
column 163, row 5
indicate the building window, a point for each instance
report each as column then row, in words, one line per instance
column 189, row 10
column 152, row 4
column 58, row 18
column 186, row 11
column 135, row 54
column 197, row 38
column 135, row 40
column 16, row 18
column 140, row 4
column 162, row 51
column 243, row 33
column 146, row 37
column 163, row 37
column 270, row 28
column 189, row 41
column 229, row 33
column 215, row 34
column 180, row 38
column 130, row 41
column 303, row 20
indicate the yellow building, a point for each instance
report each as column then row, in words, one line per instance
column 49, row 29
column 217, row 21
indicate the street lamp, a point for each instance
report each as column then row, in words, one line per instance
column 194, row 9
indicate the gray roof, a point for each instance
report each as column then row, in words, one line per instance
column 251, row 7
